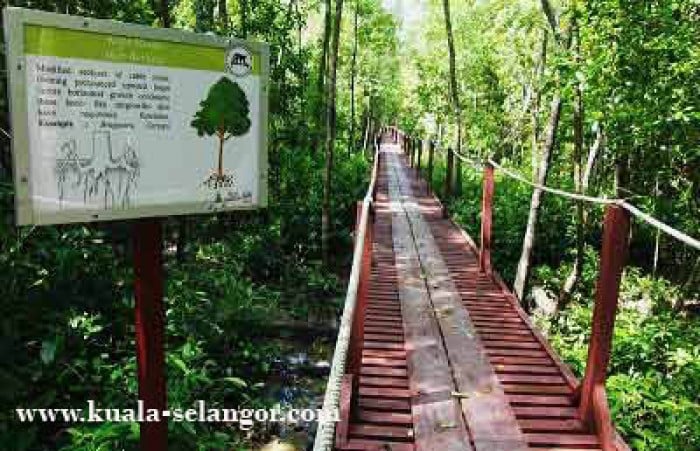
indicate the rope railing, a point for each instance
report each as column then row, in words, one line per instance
column 624, row 203
column 325, row 434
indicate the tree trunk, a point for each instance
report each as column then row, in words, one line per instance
column 536, row 106
column 454, row 93
column 523, row 271
column 621, row 175
column 204, row 15
column 575, row 274
column 367, row 135
column 553, row 19
column 449, row 166
column 223, row 17
column 164, row 13
column 322, row 70
column 593, row 153
column 690, row 282
column 458, row 172
column 330, row 133
column 243, row 13
column 657, row 238
column 220, row 168
column 353, row 75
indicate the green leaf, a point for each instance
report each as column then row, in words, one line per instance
column 237, row 381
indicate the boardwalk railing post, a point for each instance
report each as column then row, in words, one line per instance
column 419, row 145
column 412, row 146
column 486, row 220
column 150, row 329
column 593, row 405
column 431, row 151
column 448, row 178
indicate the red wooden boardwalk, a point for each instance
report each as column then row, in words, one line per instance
column 449, row 360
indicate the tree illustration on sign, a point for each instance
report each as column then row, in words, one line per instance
column 224, row 114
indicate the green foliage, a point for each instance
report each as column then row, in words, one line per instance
column 224, row 112
column 65, row 292
column 655, row 370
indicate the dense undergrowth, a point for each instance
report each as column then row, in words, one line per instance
column 67, row 313
column 654, row 377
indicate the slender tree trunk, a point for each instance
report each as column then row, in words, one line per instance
column 320, row 107
column 243, row 6
column 204, row 15
column 536, row 106
column 223, row 17
column 657, row 238
column 553, row 20
column 575, row 274
column 458, row 172
column 593, row 153
column 454, row 92
column 449, row 166
column 692, row 281
column 300, row 50
column 621, row 175
column 523, row 272
column 596, row 149
column 353, row 75
column 330, row 133
column 364, row 143
column 164, row 13
column 220, row 169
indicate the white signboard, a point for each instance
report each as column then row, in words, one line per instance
column 113, row 121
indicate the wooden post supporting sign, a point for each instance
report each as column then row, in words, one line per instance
column 150, row 326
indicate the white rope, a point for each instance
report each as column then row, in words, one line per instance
column 468, row 160
column 325, row 434
column 677, row 234
column 683, row 237
column 513, row 174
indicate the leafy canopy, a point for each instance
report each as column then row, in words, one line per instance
column 224, row 112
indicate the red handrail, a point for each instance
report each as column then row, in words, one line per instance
column 593, row 406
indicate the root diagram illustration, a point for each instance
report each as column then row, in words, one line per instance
column 224, row 114
column 102, row 174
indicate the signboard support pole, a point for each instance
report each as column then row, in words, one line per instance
column 150, row 324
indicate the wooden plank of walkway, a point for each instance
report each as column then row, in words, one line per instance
column 381, row 413
column 437, row 420
column 536, row 384
column 488, row 414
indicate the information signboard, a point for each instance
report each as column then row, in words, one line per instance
column 114, row 121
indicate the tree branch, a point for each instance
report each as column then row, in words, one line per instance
column 552, row 18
